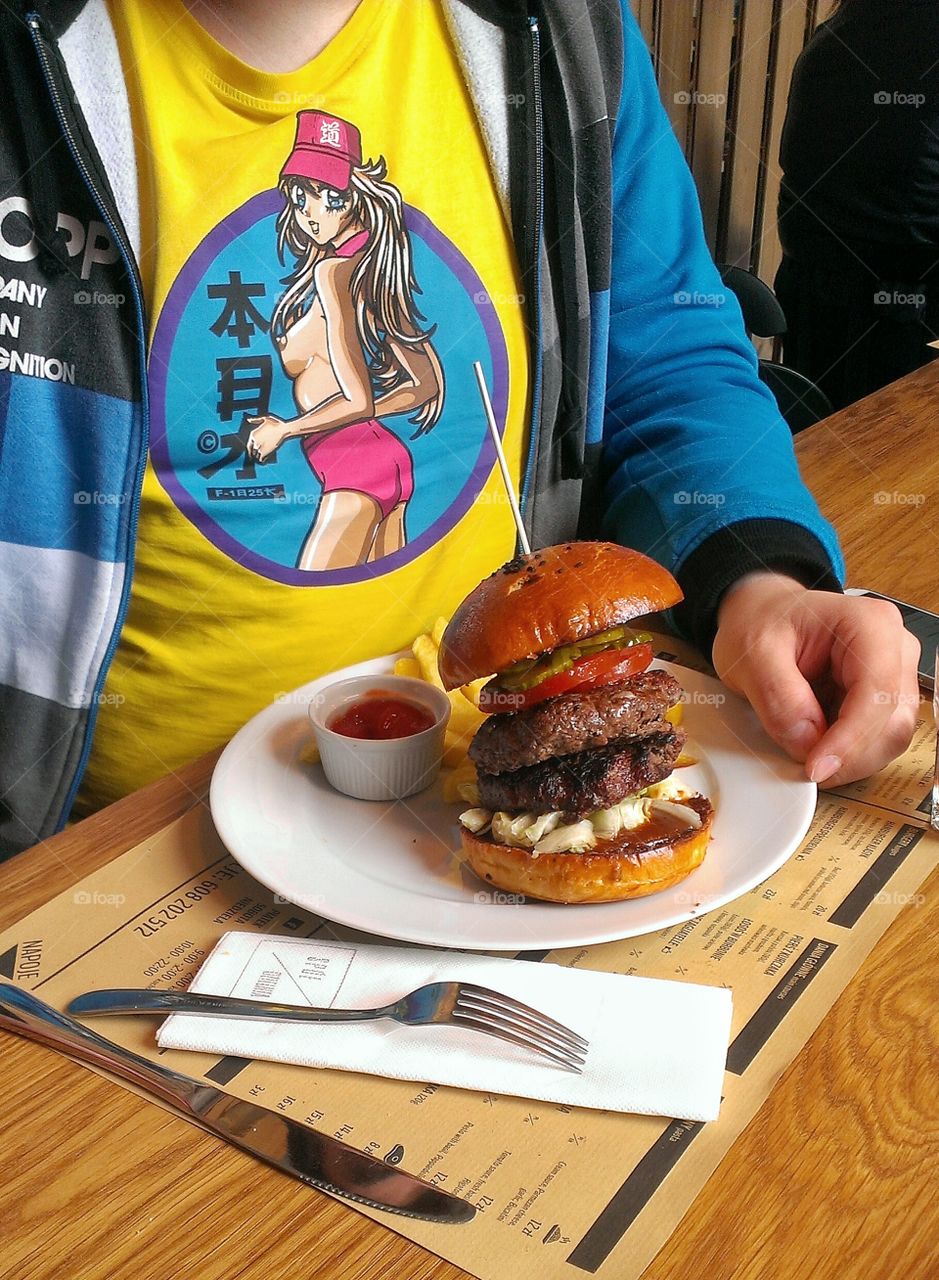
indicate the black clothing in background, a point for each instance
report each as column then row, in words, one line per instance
column 859, row 200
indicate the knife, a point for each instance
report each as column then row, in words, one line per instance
column 312, row 1157
column 934, row 807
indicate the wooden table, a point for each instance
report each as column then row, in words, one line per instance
column 839, row 1183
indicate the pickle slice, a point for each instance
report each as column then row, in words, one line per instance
column 526, row 675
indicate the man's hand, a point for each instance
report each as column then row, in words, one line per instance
column 832, row 677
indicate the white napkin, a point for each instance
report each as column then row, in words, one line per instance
column 656, row 1048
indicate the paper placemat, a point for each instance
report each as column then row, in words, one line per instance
column 560, row 1189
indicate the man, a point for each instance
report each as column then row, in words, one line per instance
column 314, row 218
column 858, row 207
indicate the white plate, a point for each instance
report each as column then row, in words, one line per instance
column 393, row 868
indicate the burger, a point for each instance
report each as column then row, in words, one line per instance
column 575, row 799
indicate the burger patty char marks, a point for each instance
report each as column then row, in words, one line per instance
column 577, row 784
column 576, row 721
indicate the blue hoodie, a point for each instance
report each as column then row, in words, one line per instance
column 649, row 423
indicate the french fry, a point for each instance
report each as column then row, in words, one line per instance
column 454, row 753
column 674, row 715
column 464, row 718
column 473, row 689
column 408, row 667
column 425, row 651
column 465, row 727
column 465, row 732
column 454, row 750
column 453, row 779
column 310, row 753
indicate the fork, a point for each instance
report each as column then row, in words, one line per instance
column 460, row 1004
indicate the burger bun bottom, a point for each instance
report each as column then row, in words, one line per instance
column 612, row 873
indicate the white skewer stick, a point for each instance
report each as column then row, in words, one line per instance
column 500, row 454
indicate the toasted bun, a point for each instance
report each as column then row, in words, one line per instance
column 607, row 876
column 555, row 596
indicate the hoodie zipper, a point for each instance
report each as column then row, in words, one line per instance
column 35, row 30
column 535, row 427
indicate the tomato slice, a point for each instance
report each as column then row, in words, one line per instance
column 608, row 667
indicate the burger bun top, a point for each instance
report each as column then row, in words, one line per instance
column 552, row 597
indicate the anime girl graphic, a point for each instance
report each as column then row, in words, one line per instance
column 349, row 336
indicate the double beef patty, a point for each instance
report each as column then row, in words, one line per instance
column 574, row 722
column 580, row 751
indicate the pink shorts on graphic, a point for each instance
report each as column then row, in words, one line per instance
column 366, row 457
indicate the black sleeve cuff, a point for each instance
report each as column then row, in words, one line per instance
column 747, row 546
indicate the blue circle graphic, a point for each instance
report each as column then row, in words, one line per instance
column 213, row 361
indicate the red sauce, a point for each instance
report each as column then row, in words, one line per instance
column 379, row 716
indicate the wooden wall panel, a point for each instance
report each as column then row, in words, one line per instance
column 709, row 106
column 676, row 27
column 743, row 173
column 789, row 32
column 723, row 69
column 645, row 16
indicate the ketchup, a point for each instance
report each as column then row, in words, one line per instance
column 379, row 716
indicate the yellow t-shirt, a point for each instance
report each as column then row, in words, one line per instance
column 324, row 251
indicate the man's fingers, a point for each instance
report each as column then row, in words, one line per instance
column 781, row 695
column 875, row 718
column 855, row 650
column 901, row 721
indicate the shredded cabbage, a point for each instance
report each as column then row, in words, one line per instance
column 625, row 816
column 683, row 812
column 543, row 832
column 668, row 789
column 577, row 837
column 635, row 810
column 509, row 830
column 541, row 826
column 524, row 830
column 476, row 820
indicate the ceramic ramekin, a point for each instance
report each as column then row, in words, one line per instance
column 388, row 769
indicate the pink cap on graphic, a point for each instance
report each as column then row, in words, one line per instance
column 325, row 150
